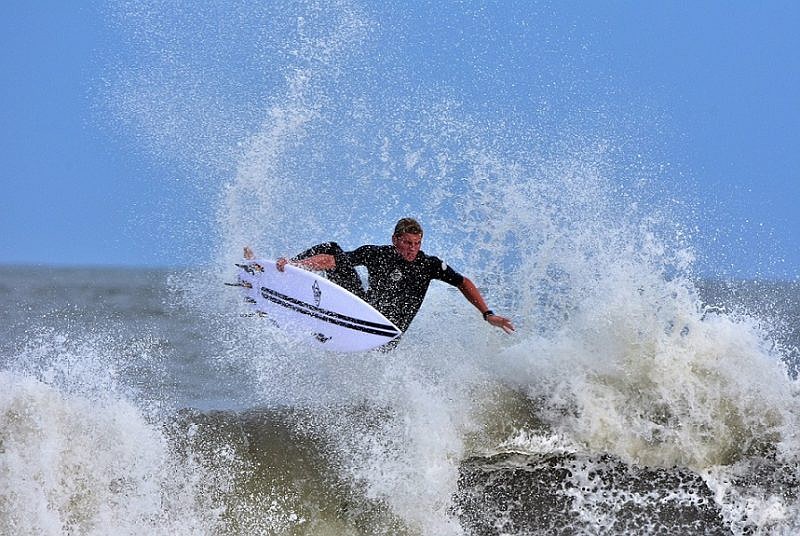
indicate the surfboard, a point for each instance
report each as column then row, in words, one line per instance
column 313, row 309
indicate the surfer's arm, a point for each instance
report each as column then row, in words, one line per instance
column 473, row 295
column 322, row 257
column 319, row 262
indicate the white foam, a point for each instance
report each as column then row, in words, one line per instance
column 70, row 464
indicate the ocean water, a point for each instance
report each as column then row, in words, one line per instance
column 640, row 395
column 125, row 410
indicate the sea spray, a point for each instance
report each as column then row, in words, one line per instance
column 565, row 228
column 653, row 379
column 81, row 464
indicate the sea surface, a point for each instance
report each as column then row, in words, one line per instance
column 127, row 409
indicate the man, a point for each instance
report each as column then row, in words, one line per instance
column 398, row 275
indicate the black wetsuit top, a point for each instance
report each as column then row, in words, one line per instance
column 396, row 287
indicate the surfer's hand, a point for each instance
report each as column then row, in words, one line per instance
column 248, row 253
column 501, row 322
column 281, row 263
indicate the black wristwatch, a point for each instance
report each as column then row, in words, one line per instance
column 487, row 314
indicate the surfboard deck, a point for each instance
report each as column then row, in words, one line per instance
column 313, row 309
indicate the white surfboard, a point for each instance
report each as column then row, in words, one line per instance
column 313, row 309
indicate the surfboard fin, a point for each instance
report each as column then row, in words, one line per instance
column 243, row 284
column 259, row 314
column 251, row 268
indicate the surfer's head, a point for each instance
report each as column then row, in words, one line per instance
column 407, row 238
column 407, row 225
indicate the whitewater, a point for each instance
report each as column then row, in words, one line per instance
column 637, row 395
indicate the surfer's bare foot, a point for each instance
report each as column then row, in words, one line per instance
column 248, row 253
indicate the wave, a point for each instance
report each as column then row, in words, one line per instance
column 411, row 457
column 72, row 465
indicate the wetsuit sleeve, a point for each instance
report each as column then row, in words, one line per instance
column 361, row 256
column 329, row 248
column 438, row 269
column 343, row 273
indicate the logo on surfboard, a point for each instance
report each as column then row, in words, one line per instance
column 321, row 337
column 317, row 293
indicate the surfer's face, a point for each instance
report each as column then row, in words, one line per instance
column 407, row 245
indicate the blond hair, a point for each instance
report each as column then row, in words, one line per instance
column 407, row 225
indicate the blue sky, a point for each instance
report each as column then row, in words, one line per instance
column 722, row 76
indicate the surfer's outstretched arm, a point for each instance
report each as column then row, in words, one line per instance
column 319, row 262
column 473, row 295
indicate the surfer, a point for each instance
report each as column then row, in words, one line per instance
column 398, row 274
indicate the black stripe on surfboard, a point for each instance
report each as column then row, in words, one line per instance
column 339, row 316
column 329, row 316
